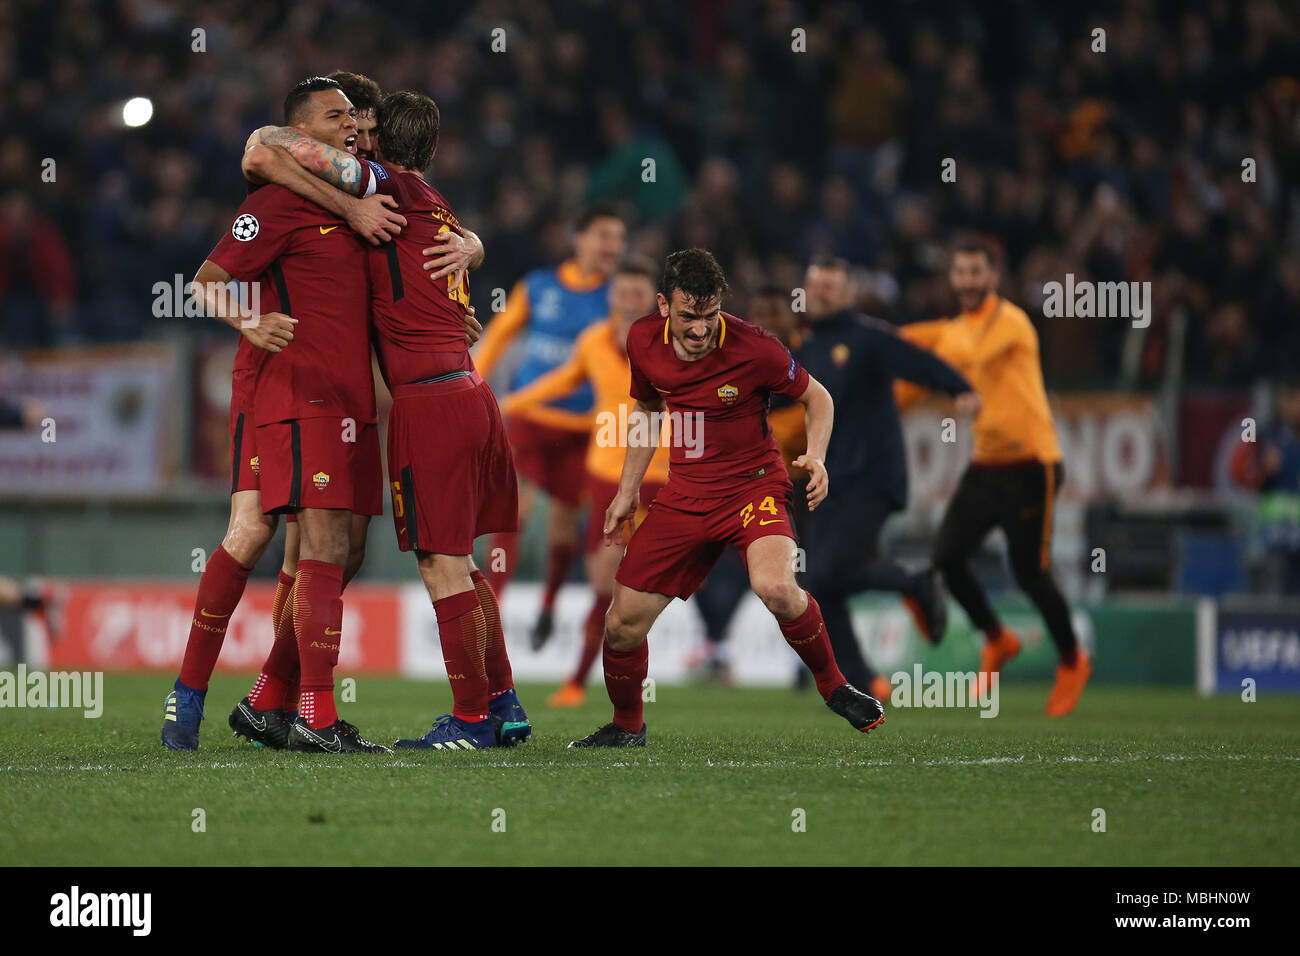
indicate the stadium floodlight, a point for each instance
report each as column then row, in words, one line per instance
column 137, row 111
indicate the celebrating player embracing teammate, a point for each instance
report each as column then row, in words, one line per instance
column 698, row 361
column 272, row 237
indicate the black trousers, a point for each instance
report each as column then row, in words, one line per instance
column 841, row 542
column 1018, row 498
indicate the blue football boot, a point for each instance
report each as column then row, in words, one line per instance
column 507, row 714
column 182, row 714
column 452, row 733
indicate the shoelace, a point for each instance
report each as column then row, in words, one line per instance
column 443, row 723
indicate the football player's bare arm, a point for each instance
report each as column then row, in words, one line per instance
column 642, row 443
column 272, row 331
column 335, row 166
column 819, row 416
column 372, row 218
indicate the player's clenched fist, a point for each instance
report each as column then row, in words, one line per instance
column 272, row 331
column 819, row 484
column 619, row 516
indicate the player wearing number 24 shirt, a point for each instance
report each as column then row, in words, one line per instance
column 717, row 372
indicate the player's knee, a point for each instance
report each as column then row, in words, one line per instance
column 247, row 539
column 780, row 594
column 621, row 633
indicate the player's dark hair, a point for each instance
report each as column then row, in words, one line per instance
column 408, row 129
column 592, row 213
column 694, row 273
column 639, row 266
column 300, row 94
column 361, row 90
column 972, row 243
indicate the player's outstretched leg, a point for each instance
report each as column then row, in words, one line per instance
column 771, row 575
column 627, row 661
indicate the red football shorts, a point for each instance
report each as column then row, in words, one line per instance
column 449, row 466
column 320, row 463
column 682, row 537
column 554, row 459
column 600, row 493
column 244, row 463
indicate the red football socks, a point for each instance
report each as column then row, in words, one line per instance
column 807, row 635
column 280, row 672
column 220, row 587
column 593, row 637
column 559, row 558
column 625, row 671
column 462, row 629
column 318, row 623
column 503, row 549
column 495, row 660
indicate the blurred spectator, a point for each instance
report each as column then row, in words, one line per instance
column 38, row 288
column 780, row 130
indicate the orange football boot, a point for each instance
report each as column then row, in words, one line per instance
column 1069, row 685
column 994, row 656
column 570, row 694
column 880, row 688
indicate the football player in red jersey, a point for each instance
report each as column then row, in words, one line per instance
column 319, row 118
column 420, row 335
column 726, row 484
column 448, row 491
column 317, row 108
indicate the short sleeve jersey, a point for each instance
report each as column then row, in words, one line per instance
column 419, row 324
column 718, row 403
column 304, row 262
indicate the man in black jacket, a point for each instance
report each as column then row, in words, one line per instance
column 857, row 358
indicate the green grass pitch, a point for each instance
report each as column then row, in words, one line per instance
column 1182, row 780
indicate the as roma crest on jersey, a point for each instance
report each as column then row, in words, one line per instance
column 320, row 480
column 255, row 463
column 840, row 355
column 728, row 394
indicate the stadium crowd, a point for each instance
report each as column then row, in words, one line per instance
column 771, row 146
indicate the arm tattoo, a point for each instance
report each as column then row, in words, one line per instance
column 337, row 167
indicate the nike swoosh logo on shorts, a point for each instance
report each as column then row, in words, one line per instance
column 769, row 521
column 325, row 232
